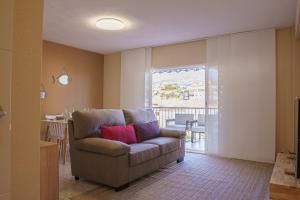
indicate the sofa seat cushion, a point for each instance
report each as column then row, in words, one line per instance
column 166, row 144
column 140, row 153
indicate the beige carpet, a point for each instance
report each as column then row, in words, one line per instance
column 198, row 177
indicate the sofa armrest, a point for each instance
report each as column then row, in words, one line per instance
column 164, row 132
column 102, row 146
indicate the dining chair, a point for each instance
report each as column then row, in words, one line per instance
column 58, row 130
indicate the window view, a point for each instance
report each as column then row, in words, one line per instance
column 180, row 87
column 178, row 100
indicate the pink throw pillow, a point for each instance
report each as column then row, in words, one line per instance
column 124, row 133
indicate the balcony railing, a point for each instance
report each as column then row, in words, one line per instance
column 164, row 113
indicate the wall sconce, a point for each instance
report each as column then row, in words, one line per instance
column 42, row 93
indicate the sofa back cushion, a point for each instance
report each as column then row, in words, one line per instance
column 139, row 116
column 124, row 133
column 145, row 131
column 87, row 123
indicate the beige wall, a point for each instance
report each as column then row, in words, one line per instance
column 25, row 101
column 297, row 23
column 288, row 87
column 284, row 90
column 188, row 53
column 86, row 71
column 111, row 81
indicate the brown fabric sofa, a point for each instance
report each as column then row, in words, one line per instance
column 114, row 163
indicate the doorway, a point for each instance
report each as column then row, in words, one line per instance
column 178, row 100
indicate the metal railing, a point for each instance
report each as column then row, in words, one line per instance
column 165, row 113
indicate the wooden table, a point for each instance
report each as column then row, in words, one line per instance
column 282, row 185
column 49, row 171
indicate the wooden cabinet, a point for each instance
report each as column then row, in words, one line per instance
column 49, row 171
column 6, row 32
column 5, row 135
column 282, row 185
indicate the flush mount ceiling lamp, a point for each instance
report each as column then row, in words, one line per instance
column 110, row 24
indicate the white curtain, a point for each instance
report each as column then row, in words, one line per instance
column 148, row 79
column 212, row 95
column 135, row 78
column 245, row 65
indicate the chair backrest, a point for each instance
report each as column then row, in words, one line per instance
column 57, row 130
column 201, row 120
column 181, row 119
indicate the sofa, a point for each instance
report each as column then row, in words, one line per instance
column 114, row 163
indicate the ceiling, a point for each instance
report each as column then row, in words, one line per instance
column 158, row 22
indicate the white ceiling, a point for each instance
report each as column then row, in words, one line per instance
column 158, row 22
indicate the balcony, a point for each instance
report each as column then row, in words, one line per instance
column 191, row 119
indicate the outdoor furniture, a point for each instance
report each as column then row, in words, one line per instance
column 197, row 126
column 181, row 122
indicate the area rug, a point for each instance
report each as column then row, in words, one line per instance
column 198, row 177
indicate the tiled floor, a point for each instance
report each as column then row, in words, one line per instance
column 68, row 187
column 198, row 145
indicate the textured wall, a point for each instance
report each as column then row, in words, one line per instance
column 288, row 87
column 86, row 71
column 111, row 80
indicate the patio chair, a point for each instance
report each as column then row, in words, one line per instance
column 197, row 126
column 181, row 122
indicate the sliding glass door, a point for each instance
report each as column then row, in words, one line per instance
column 178, row 99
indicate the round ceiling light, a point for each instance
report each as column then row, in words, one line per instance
column 110, row 24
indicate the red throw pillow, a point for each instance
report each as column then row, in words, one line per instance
column 147, row 131
column 124, row 133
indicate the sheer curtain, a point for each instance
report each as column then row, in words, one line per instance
column 148, row 78
column 245, row 89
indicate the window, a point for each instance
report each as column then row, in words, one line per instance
column 179, row 87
